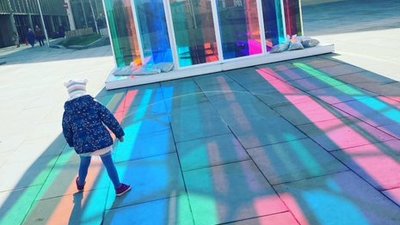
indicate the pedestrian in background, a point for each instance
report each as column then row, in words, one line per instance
column 39, row 35
column 30, row 36
column 16, row 38
column 85, row 122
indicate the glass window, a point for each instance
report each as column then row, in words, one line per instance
column 239, row 27
column 274, row 23
column 194, row 31
column 293, row 17
column 123, row 31
column 153, row 31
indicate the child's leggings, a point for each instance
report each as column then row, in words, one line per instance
column 108, row 163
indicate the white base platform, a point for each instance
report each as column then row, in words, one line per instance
column 114, row 82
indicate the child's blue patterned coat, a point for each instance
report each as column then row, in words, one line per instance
column 83, row 125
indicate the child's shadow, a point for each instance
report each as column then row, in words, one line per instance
column 76, row 213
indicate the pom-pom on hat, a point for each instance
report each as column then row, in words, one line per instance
column 76, row 88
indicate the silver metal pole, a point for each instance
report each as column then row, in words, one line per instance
column 84, row 14
column 94, row 17
column 43, row 25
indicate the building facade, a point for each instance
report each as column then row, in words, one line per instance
column 88, row 13
column 19, row 15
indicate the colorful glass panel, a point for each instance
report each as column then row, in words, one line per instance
column 293, row 17
column 273, row 22
column 239, row 27
column 194, row 31
column 122, row 31
column 153, row 31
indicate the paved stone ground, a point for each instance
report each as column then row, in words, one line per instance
column 364, row 31
column 308, row 141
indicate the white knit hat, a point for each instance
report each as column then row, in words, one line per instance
column 76, row 88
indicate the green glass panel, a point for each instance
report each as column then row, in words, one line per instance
column 194, row 31
column 123, row 32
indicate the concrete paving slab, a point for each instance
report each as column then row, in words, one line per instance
column 152, row 178
column 243, row 76
column 360, row 78
column 180, row 87
column 61, row 180
column 340, row 93
column 54, row 115
column 343, row 133
column 36, row 149
column 248, row 103
column 340, row 69
column 182, row 94
column 210, row 151
column 108, row 95
column 385, row 89
column 113, row 101
column 391, row 129
column 175, row 210
column 46, row 129
column 376, row 111
column 258, row 132
column 294, row 160
column 260, row 88
column 318, row 61
column 389, row 147
column 174, row 104
column 341, row 198
column 16, row 204
column 378, row 57
column 10, row 110
column 137, row 125
column 279, row 218
column 394, row 195
column 10, row 143
column 147, row 109
column 78, row 208
column 218, row 83
column 144, row 96
column 23, row 121
column 236, row 106
column 292, row 74
column 41, row 101
column 313, row 83
column 3, row 158
column 197, row 122
column 230, row 192
column 310, row 111
column 276, row 98
column 251, row 80
column 278, row 66
column 25, row 174
column 137, row 147
column 377, row 164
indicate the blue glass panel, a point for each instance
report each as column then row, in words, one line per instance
column 273, row 22
column 239, row 26
column 153, row 31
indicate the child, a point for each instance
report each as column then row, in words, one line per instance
column 84, row 127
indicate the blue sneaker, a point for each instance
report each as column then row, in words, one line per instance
column 122, row 189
